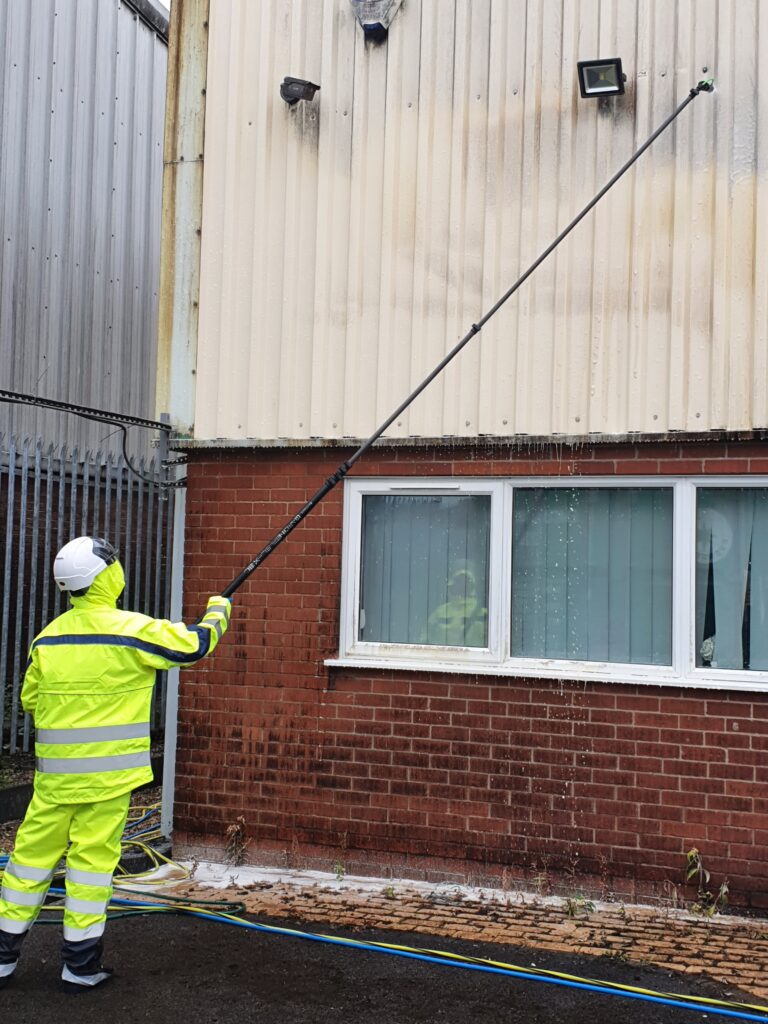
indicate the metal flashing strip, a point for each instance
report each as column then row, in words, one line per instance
column 155, row 15
column 519, row 442
column 19, row 398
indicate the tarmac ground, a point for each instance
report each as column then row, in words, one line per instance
column 174, row 969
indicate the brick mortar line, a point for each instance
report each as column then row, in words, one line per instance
column 725, row 949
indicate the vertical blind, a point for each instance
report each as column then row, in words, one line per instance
column 592, row 574
column 425, row 569
column 732, row 578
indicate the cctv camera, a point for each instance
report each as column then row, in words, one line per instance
column 294, row 89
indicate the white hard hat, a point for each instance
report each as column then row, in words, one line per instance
column 79, row 563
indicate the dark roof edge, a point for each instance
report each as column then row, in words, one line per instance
column 484, row 441
column 153, row 14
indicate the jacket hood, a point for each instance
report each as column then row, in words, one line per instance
column 105, row 589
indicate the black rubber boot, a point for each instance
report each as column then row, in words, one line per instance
column 7, row 963
column 82, row 969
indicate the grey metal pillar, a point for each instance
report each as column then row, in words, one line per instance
column 172, row 692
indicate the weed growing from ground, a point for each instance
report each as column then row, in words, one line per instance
column 578, row 905
column 707, row 903
column 237, row 842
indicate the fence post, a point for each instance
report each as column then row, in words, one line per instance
column 21, row 535
column 6, row 610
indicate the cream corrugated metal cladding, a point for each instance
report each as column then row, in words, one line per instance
column 348, row 242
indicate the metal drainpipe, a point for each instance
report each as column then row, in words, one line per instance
column 180, row 250
column 182, row 213
column 172, row 690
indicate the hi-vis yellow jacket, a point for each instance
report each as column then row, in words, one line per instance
column 89, row 685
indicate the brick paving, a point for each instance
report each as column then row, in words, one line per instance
column 726, row 949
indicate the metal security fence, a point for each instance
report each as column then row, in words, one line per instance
column 48, row 495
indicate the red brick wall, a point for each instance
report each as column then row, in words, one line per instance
column 446, row 775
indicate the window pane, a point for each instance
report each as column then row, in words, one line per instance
column 732, row 577
column 425, row 569
column 592, row 574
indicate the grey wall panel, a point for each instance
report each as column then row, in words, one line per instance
column 82, row 92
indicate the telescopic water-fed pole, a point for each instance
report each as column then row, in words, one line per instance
column 704, row 86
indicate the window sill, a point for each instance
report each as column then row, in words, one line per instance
column 644, row 675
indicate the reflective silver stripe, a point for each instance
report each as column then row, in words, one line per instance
column 7, row 969
column 77, row 906
column 216, row 623
column 97, row 734
column 88, row 877
column 225, row 610
column 93, row 931
column 28, row 874
column 88, row 765
column 12, row 927
column 22, row 899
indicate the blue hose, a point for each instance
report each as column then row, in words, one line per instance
column 584, row 986
column 485, row 968
column 132, row 824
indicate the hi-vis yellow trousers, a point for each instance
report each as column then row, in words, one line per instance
column 92, row 832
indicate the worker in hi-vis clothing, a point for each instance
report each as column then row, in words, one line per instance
column 88, row 686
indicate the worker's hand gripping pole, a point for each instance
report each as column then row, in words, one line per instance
column 344, row 468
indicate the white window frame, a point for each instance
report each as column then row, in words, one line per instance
column 422, row 655
column 496, row 659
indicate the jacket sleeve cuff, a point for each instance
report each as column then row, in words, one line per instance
column 216, row 618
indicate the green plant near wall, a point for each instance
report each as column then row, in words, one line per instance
column 707, row 902
column 578, row 905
